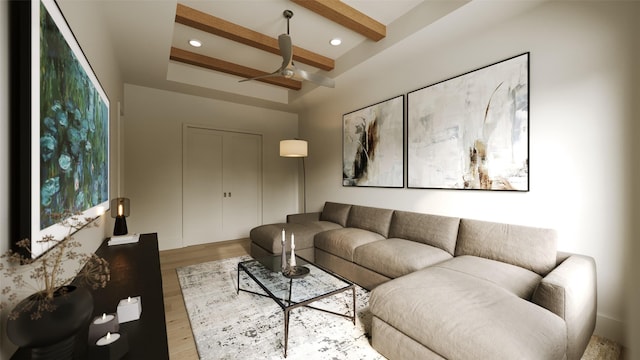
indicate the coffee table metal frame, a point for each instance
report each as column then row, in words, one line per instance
column 287, row 304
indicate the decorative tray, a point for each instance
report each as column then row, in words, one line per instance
column 295, row 272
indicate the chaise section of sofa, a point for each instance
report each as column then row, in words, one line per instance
column 456, row 315
column 504, row 295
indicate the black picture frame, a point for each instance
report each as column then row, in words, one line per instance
column 373, row 145
column 471, row 131
column 59, row 127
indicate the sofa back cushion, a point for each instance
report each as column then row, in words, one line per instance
column 528, row 247
column 370, row 218
column 335, row 212
column 434, row 230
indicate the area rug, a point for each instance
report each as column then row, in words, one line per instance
column 227, row 325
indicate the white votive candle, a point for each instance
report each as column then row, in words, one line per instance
column 108, row 339
column 103, row 319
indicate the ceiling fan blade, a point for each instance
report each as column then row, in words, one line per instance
column 315, row 78
column 286, row 49
column 273, row 74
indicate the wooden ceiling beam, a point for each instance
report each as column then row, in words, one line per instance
column 220, row 27
column 207, row 62
column 345, row 15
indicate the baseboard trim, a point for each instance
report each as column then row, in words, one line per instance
column 610, row 328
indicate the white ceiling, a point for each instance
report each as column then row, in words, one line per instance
column 142, row 33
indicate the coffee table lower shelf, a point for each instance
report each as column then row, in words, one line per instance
column 287, row 304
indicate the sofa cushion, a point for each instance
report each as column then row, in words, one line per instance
column 335, row 212
column 519, row 281
column 396, row 257
column 369, row 218
column 343, row 242
column 434, row 230
column 528, row 247
column 269, row 237
column 459, row 317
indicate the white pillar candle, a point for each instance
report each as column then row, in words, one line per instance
column 292, row 262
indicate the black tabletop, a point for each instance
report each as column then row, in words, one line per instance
column 135, row 271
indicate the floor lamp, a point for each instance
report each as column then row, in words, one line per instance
column 297, row 148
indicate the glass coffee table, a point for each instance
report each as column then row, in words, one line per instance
column 293, row 292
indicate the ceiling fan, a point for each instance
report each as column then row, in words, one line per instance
column 288, row 69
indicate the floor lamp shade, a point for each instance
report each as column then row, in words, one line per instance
column 293, row 148
column 297, row 148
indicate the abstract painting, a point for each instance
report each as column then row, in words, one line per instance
column 472, row 131
column 373, row 145
column 69, row 129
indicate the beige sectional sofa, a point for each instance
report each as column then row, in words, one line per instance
column 451, row 288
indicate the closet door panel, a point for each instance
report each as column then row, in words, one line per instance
column 242, row 184
column 202, row 186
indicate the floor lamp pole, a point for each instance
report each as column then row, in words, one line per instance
column 304, row 187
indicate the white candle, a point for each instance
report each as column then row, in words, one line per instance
column 292, row 261
column 103, row 319
column 120, row 210
column 108, row 339
column 283, row 235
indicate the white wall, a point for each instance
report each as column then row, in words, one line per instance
column 84, row 20
column 153, row 156
column 632, row 268
column 580, row 110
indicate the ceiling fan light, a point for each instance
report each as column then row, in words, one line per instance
column 195, row 43
column 335, row 41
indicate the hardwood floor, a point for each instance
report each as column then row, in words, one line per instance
column 180, row 338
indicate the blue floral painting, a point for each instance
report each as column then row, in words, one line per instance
column 74, row 129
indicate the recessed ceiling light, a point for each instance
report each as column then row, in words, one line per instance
column 195, row 43
column 335, row 42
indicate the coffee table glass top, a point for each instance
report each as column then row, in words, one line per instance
column 288, row 292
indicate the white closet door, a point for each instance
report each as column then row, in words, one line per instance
column 242, row 184
column 202, row 186
column 222, row 185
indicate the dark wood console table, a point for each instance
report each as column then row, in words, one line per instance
column 135, row 271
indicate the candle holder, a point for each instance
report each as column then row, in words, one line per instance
column 296, row 272
column 101, row 325
column 111, row 347
column 129, row 309
column 284, row 264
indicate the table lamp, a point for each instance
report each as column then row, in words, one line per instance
column 120, row 210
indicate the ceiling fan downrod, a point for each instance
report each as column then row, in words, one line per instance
column 288, row 14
